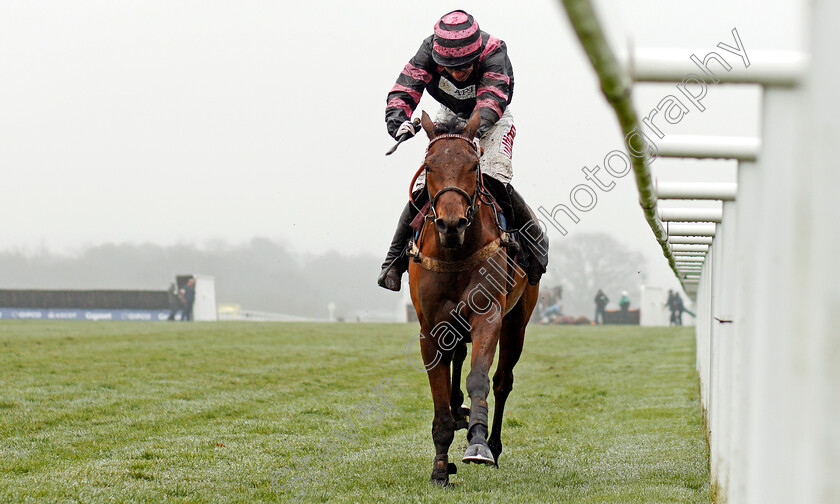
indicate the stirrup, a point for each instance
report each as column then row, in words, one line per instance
column 413, row 251
column 506, row 241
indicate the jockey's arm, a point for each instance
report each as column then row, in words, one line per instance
column 494, row 91
column 407, row 91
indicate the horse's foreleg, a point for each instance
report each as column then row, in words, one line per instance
column 457, row 397
column 485, row 337
column 510, row 349
column 443, row 424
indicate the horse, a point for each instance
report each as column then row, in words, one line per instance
column 465, row 287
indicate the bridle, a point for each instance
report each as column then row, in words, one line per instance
column 474, row 199
column 481, row 195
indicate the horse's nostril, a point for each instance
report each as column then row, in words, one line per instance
column 462, row 224
column 440, row 224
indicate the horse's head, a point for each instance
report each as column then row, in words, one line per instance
column 452, row 178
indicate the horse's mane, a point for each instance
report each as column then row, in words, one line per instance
column 452, row 124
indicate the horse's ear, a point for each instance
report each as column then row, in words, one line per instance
column 428, row 125
column 473, row 124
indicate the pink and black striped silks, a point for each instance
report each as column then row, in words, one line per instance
column 489, row 88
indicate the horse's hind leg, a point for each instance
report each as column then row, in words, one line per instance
column 510, row 349
column 457, row 397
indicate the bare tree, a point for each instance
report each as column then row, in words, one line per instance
column 586, row 262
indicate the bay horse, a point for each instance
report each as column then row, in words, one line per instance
column 465, row 287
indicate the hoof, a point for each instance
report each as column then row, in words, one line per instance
column 442, row 470
column 495, row 448
column 440, row 480
column 478, row 454
column 461, row 424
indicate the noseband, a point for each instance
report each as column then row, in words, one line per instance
column 472, row 199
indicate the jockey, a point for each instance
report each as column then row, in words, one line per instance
column 465, row 69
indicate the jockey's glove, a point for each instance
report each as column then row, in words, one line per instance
column 406, row 127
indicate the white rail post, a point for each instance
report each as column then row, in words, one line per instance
column 722, row 336
column 817, row 295
column 709, row 147
column 689, row 247
column 771, row 68
column 689, row 229
column 690, row 240
column 724, row 191
column 690, row 214
column 745, row 273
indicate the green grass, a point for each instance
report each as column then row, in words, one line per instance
column 212, row 413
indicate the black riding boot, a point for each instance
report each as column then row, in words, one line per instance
column 396, row 262
column 535, row 239
column 519, row 217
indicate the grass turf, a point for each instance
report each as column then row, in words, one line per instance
column 250, row 412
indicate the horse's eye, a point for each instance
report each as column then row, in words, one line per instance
column 426, row 167
column 475, row 167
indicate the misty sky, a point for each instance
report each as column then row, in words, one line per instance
column 195, row 121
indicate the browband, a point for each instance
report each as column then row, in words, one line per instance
column 472, row 141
